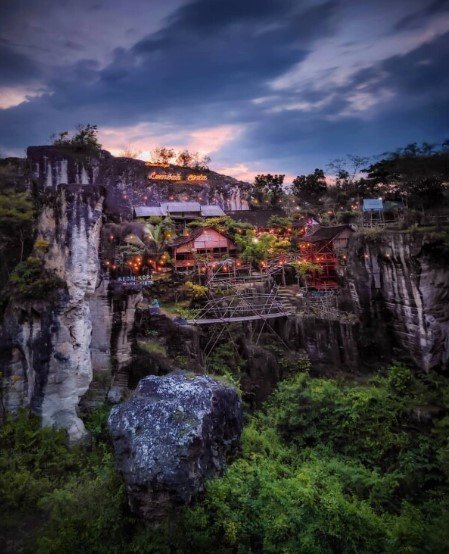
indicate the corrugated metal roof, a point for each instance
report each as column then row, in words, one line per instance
column 257, row 218
column 327, row 233
column 148, row 211
column 372, row 204
column 212, row 211
column 177, row 207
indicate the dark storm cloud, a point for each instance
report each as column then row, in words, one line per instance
column 217, row 62
column 417, row 107
column 16, row 68
column 202, row 59
column 414, row 20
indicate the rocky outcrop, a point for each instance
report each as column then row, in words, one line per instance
column 127, row 182
column 403, row 292
column 173, row 434
column 49, row 342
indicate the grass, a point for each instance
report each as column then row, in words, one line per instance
column 152, row 347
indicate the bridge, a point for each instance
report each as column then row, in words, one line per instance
column 241, row 306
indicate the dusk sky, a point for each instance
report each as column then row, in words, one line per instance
column 260, row 85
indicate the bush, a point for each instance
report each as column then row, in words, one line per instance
column 328, row 466
column 31, row 280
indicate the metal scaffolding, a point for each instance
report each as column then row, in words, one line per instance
column 245, row 306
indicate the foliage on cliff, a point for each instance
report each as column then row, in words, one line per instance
column 30, row 280
column 17, row 219
column 85, row 140
column 329, row 466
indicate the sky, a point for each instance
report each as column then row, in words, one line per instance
column 279, row 86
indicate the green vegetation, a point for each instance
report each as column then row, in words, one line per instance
column 223, row 224
column 328, row 466
column 152, row 347
column 30, row 280
column 267, row 191
column 255, row 249
column 184, row 158
column 310, row 188
column 16, row 230
column 84, row 141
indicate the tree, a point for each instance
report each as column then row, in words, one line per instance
column 201, row 163
column 163, row 154
column 129, row 152
column 310, row 188
column 85, row 139
column 414, row 173
column 267, row 190
column 184, row 159
column 304, row 268
column 256, row 249
column 16, row 230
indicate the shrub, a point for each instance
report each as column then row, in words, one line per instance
column 31, row 280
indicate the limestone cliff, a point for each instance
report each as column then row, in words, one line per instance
column 50, row 365
column 394, row 304
column 52, row 348
column 126, row 180
column 403, row 290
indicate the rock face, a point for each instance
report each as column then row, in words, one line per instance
column 127, row 182
column 173, row 434
column 404, row 292
column 49, row 341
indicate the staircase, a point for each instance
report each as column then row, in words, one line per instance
column 286, row 298
column 121, row 379
column 354, row 295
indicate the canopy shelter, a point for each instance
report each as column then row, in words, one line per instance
column 373, row 212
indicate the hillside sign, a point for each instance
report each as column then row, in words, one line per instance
column 191, row 177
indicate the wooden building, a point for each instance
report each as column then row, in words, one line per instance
column 326, row 247
column 200, row 247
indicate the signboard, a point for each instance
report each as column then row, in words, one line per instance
column 157, row 164
column 373, row 204
column 165, row 176
column 191, row 177
column 133, row 280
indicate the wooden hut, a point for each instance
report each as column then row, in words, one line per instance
column 200, row 247
column 323, row 247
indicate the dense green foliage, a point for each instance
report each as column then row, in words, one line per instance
column 328, row 466
column 267, row 191
column 85, row 140
column 310, row 188
column 255, row 249
column 31, row 280
column 16, row 230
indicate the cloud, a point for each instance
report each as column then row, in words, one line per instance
column 265, row 85
column 14, row 96
column 144, row 137
column 183, row 73
column 16, row 68
column 415, row 19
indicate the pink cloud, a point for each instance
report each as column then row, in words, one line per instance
column 144, row 137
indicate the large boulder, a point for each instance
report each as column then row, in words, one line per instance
column 173, row 434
